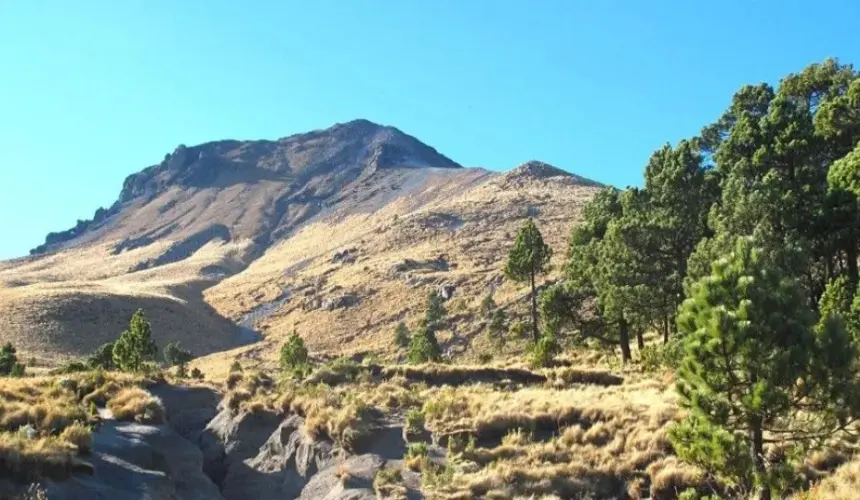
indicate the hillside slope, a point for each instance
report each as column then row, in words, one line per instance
column 337, row 234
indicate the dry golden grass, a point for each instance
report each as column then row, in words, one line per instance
column 134, row 403
column 78, row 435
column 70, row 302
column 39, row 402
column 843, row 484
column 388, row 484
column 31, row 460
column 55, row 411
column 560, row 438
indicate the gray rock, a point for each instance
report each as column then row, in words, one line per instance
column 446, row 291
column 133, row 461
column 283, row 466
column 232, row 437
column 351, row 479
column 341, row 301
column 30, row 431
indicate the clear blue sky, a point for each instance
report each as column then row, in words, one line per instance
column 92, row 91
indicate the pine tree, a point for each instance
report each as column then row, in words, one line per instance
column 488, row 305
column 135, row 346
column 102, row 357
column 423, row 347
column 752, row 360
column 294, row 354
column 174, row 354
column 401, row 335
column 9, row 365
column 434, row 314
column 528, row 258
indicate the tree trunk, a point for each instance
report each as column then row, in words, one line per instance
column 534, row 310
column 852, row 266
column 624, row 340
column 666, row 329
column 757, row 455
column 640, row 341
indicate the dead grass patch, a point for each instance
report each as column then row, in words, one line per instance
column 454, row 375
column 33, row 459
column 78, row 435
column 136, row 404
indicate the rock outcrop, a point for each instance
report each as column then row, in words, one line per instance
column 203, row 453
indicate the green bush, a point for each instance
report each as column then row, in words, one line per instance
column 102, row 357
column 423, row 347
column 9, row 365
column 415, row 420
column 236, row 367
column 518, row 329
column 656, row 357
column 174, row 354
column 417, row 450
column 294, row 354
column 543, row 352
column 401, row 335
column 73, row 367
column 196, row 373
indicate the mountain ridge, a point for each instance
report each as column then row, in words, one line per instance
column 337, row 233
column 345, row 149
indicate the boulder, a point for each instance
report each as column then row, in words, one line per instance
column 446, row 291
column 340, row 301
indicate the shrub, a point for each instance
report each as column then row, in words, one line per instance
column 196, row 373
column 17, row 370
column 401, row 335
column 294, row 354
column 496, row 326
column 656, row 357
column 518, row 329
column 423, row 347
column 488, row 306
column 417, row 450
column 415, row 420
column 135, row 346
column 78, row 435
column 102, row 357
column 337, row 372
column 174, row 354
column 236, row 367
column 9, row 365
column 434, row 315
column 543, row 352
column 72, row 367
column 388, row 483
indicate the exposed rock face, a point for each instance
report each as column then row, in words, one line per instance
column 311, row 168
column 237, row 455
column 133, row 461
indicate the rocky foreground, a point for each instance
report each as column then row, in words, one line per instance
column 207, row 451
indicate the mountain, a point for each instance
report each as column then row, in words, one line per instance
column 337, row 234
column 194, row 191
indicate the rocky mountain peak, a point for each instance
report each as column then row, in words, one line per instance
column 312, row 167
column 536, row 169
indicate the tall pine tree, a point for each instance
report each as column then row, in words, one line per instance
column 527, row 259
